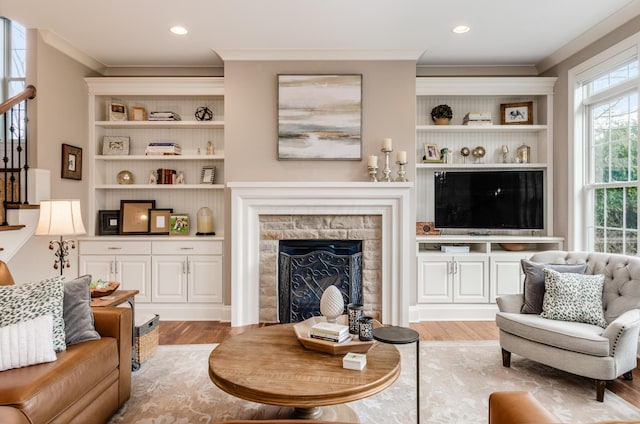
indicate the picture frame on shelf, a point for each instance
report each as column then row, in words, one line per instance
column 138, row 113
column 431, row 153
column 117, row 111
column 208, row 175
column 179, row 224
column 159, row 221
column 108, row 222
column 520, row 113
column 71, row 162
column 115, row 145
column 134, row 216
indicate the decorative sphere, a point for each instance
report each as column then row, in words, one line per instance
column 331, row 303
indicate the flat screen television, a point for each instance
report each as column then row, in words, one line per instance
column 478, row 200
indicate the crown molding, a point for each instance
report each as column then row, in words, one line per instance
column 59, row 43
column 317, row 54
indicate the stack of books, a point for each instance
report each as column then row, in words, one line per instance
column 163, row 148
column 166, row 176
column 336, row 333
column 477, row 118
column 164, row 116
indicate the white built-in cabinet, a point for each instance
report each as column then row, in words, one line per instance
column 465, row 285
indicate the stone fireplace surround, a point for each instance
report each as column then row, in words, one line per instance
column 390, row 201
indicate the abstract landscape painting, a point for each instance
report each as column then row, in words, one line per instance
column 320, row 117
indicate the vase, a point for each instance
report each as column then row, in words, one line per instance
column 441, row 121
column 331, row 303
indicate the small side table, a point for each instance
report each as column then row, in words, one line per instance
column 114, row 299
column 402, row 335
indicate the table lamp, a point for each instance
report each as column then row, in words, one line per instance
column 60, row 218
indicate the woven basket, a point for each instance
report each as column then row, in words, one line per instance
column 146, row 338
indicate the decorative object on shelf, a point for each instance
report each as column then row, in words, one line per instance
column 166, row 176
column 355, row 312
column 203, row 113
column 115, row 145
column 159, row 221
column 387, row 148
column 478, row 153
column 152, row 178
column 163, row 148
column 60, row 218
column 365, row 329
column 103, row 288
column 372, row 166
column 208, row 175
column 71, row 162
column 516, row 113
column 134, row 216
column 124, row 177
column 401, row 161
column 319, row 117
column 210, row 148
column 431, row 153
column 117, row 111
column 444, row 155
column 514, row 247
column 465, row 152
column 179, row 224
column 138, row 113
column 477, row 118
column 504, row 150
column 205, row 222
column 441, row 114
column 180, row 178
column 426, row 229
column 524, row 154
column 164, row 116
column 331, row 303
column 108, row 222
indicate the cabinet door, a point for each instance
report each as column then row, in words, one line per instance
column 205, row 279
column 470, row 279
column 133, row 272
column 506, row 275
column 434, row 282
column 99, row 266
column 169, row 278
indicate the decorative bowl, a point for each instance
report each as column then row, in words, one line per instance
column 105, row 291
column 514, row 247
column 355, row 345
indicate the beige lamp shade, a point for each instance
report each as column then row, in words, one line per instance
column 60, row 217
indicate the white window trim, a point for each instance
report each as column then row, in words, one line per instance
column 578, row 217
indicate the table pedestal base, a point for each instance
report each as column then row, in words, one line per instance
column 337, row 413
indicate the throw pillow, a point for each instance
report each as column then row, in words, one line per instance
column 573, row 297
column 27, row 343
column 77, row 313
column 32, row 300
column 534, row 282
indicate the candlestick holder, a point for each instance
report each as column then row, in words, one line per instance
column 373, row 174
column 401, row 172
column 386, row 171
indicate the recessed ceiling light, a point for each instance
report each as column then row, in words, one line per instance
column 178, row 30
column 461, row 29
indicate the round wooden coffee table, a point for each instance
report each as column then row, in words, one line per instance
column 269, row 365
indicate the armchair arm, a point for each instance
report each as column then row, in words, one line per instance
column 510, row 303
column 517, row 408
column 623, row 338
column 11, row 415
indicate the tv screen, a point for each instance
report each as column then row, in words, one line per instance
column 489, row 199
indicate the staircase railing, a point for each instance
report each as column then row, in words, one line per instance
column 15, row 165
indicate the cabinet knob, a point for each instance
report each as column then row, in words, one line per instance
column 114, row 248
column 186, row 248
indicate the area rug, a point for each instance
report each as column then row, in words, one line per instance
column 456, row 378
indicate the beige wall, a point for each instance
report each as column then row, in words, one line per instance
column 561, row 117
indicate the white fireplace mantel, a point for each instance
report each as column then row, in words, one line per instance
column 250, row 200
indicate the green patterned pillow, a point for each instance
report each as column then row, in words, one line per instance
column 573, row 297
column 32, row 300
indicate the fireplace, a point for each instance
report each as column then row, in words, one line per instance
column 306, row 268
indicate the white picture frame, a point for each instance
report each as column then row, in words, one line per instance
column 115, row 145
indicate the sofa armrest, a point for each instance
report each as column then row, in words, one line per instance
column 623, row 336
column 11, row 415
column 510, row 303
column 117, row 323
column 517, row 408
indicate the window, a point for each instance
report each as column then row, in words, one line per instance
column 13, row 72
column 607, row 145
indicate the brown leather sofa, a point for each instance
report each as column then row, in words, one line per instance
column 523, row 408
column 86, row 384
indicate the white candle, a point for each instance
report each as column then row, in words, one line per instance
column 373, row 161
column 386, row 144
column 402, row 156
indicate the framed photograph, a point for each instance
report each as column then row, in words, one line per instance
column 134, row 216
column 117, row 111
column 159, row 221
column 71, row 162
column 319, row 117
column 516, row 113
column 115, row 145
column 208, row 175
column 431, row 153
column 108, row 222
column 138, row 113
column 179, row 224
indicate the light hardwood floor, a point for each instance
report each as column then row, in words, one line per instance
column 199, row 332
